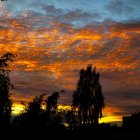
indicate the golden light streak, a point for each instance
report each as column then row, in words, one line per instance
column 108, row 118
column 64, row 107
column 17, row 109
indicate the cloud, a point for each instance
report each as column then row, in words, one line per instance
column 51, row 52
column 119, row 7
column 52, row 11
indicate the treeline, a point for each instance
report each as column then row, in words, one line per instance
column 86, row 108
column 42, row 118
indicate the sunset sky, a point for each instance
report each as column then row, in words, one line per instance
column 54, row 39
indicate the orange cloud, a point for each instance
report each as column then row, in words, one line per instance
column 50, row 57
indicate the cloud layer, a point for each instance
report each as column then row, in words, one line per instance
column 54, row 43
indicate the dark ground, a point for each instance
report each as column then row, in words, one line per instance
column 110, row 133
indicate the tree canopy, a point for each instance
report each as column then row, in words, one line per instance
column 5, row 101
column 87, row 97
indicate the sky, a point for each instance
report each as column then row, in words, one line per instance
column 54, row 39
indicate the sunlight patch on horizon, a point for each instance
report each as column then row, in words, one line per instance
column 108, row 118
column 17, row 109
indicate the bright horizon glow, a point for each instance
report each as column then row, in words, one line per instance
column 108, row 118
column 17, row 109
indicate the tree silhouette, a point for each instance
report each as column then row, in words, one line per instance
column 51, row 102
column 5, row 101
column 34, row 107
column 54, row 118
column 88, row 98
column 32, row 115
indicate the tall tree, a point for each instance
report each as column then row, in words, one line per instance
column 88, row 96
column 5, row 101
